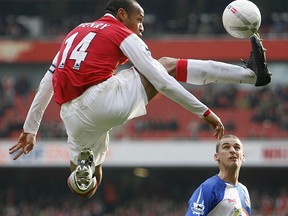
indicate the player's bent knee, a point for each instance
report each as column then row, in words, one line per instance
column 170, row 64
column 89, row 192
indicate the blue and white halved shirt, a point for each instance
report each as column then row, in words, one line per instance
column 215, row 197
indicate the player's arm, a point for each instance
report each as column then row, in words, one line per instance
column 33, row 119
column 136, row 50
column 40, row 102
column 138, row 53
column 200, row 202
column 247, row 199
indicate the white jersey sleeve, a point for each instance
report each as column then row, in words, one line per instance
column 138, row 53
column 40, row 101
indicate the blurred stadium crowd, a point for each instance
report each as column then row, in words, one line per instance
column 47, row 194
column 123, row 194
column 259, row 108
column 266, row 205
column 51, row 19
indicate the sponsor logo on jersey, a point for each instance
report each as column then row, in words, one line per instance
column 240, row 212
column 232, row 201
column 198, row 208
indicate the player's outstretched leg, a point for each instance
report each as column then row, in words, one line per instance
column 82, row 180
column 257, row 61
column 199, row 72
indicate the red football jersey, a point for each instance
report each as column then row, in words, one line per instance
column 88, row 55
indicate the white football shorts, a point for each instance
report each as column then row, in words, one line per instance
column 89, row 118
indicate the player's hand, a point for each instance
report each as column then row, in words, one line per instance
column 215, row 122
column 24, row 145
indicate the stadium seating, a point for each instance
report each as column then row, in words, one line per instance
column 165, row 119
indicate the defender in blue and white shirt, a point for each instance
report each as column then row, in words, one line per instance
column 222, row 194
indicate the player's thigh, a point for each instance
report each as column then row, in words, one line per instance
column 130, row 98
column 106, row 105
column 89, row 118
column 150, row 90
column 169, row 64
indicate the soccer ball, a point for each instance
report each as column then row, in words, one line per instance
column 241, row 18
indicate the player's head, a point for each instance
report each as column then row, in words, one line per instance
column 128, row 12
column 229, row 151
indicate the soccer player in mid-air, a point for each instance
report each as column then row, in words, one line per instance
column 223, row 194
column 94, row 99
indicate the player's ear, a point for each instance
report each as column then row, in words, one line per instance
column 243, row 160
column 216, row 157
column 122, row 15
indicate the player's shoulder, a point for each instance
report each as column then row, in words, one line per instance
column 243, row 187
column 213, row 183
column 212, row 180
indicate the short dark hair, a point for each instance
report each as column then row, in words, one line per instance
column 114, row 5
column 223, row 137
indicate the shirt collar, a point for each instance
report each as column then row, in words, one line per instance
column 108, row 14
